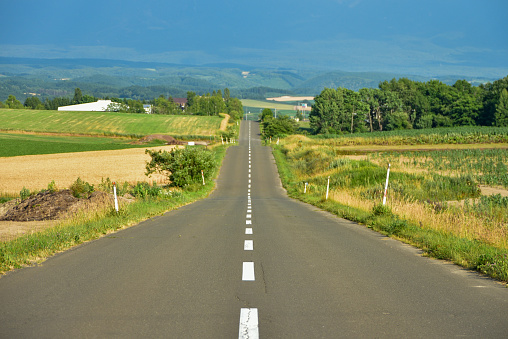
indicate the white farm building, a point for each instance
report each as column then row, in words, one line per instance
column 98, row 106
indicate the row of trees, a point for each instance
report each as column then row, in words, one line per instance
column 403, row 104
column 196, row 104
column 217, row 102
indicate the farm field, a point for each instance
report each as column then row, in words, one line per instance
column 31, row 144
column 266, row 104
column 457, row 193
column 35, row 172
column 107, row 123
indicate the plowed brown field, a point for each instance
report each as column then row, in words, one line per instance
column 35, row 172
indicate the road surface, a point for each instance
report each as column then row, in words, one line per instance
column 249, row 262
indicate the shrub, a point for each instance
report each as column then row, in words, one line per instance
column 182, row 166
column 24, row 193
column 52, row 187
column 381, row 210
column 81, row 189
column 143, row 190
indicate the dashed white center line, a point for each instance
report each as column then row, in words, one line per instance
column 248, row 245
column 249, row 216
column 248, row 271
column 249, row 326
column 249, row 211
column 248, row 222
column 248, row 230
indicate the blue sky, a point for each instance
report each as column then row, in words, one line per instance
column 421, row 37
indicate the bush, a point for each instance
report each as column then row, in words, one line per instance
column 24, row 193
column 52, row 187
column 143, row 190
column 182, row 166
column 81, row 189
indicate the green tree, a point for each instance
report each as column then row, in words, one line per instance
column 234, row 108
column 182, row 166
column 78, row 96
column 501, row 115
column 33, row 102
column 12, row 102
column 279, row 127
column 328, row 114
column 266, row 114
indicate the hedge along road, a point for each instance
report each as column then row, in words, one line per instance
column 249, row 262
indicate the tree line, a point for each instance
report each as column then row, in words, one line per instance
column 207, row 104
column 407, row 104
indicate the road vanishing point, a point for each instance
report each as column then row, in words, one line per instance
column 249, row 262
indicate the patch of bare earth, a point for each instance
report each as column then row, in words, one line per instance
column 47, row 209
column 35, row 172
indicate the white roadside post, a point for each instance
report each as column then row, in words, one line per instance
column 327, row 188
column 305, row 189
column 386, row 185
column 116, row 199
column 203, row 176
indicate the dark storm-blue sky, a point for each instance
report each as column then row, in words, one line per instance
column 333, row 34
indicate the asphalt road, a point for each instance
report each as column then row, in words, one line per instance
column 249, row 262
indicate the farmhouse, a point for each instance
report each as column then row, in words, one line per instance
column 99, row 106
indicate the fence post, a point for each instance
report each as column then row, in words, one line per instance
column 386, row 185
column 116, row 199
column 327, row 188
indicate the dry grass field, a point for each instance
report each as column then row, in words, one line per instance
column 35, row 172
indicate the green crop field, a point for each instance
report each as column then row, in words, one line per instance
column 107, row 123
column 26, row 144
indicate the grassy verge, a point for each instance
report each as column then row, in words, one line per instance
column 35, row 247
column 470, row 252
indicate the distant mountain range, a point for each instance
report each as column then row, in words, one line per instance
column 24, row 77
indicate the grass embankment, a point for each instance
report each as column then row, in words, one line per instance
column 420, row 208
column 109, row 123
column 35, row 247
column 28, row 144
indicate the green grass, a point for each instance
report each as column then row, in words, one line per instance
column 470, row 253
column 107, row 123
column 26, row 144
column 442, row 135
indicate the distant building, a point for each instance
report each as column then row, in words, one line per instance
column 98, row 106
column 148, row 109
column 181, row 101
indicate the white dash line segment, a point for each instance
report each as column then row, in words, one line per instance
column 249, row 326
column 248, row 245
column 248, row 271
